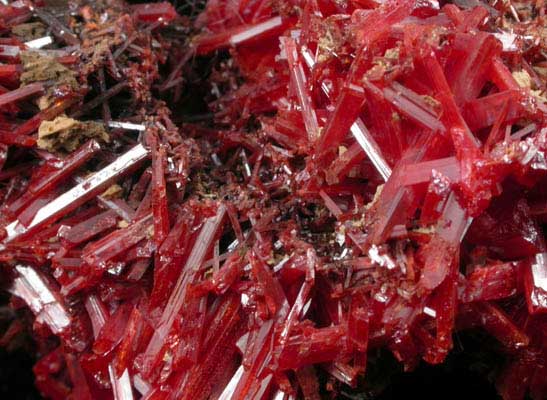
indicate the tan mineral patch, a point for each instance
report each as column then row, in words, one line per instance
column 523, row 79
column 392, row 53
column 376, row 197
column 431, row 101
column 29, row 31
column 59, row 124
column 539, row 95
column 113, row 192
column 123, row 224
column 65, row 134
column 428, row 230
column 40, row 68
column 542, row 72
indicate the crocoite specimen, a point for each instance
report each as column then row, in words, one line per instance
column 366, row 174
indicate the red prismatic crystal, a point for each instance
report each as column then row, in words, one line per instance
column 89, row 228
column 444, row 245
column 55, row 175
column 244, row 34
column 348, row 108
column 159, row 195
column 21, row 93
column 300, row 84
column 178, row 296
column 70, row 200
column 498, row 281
column 44, row 301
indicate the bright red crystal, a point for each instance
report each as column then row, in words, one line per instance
column 256, row 199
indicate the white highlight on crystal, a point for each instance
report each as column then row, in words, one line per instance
column 232, row 246
column 88, row 185
column 256, row 30
column 308, row 58
column 32, row 288
column 509, row 39
column 127, row 125
column 141, row 385
column 280, row 395
column 287, row 169
column 216, row 160
column 241, row 343
column 228, row 391
column 39, row 43
column 539, row 271
column 96, row 314
column 10, row 51
column 383, row 260
column 246, row 164
column 121, row 387
column 280, row 264
column 431, row 312
column 358, row 129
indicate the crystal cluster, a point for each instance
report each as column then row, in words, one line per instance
column 361, row 175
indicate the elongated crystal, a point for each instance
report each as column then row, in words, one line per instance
column 359, row 131
column 313, row 346
column 80, row 193
column 21, row 93
column 422, row 172
column 159, row 194
column 121, row 386
column 412, row 106
column 178, row 295
column 98, row 253
column 348, row 108
column 240, row 35
column 493, row 282
column 57, row 27
column 299, row 81
column 467, row 75
column 50, row 180
column 444, row 246
column 44, row 302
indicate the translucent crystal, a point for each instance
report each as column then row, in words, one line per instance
column 44, row 302
column 80, row 193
